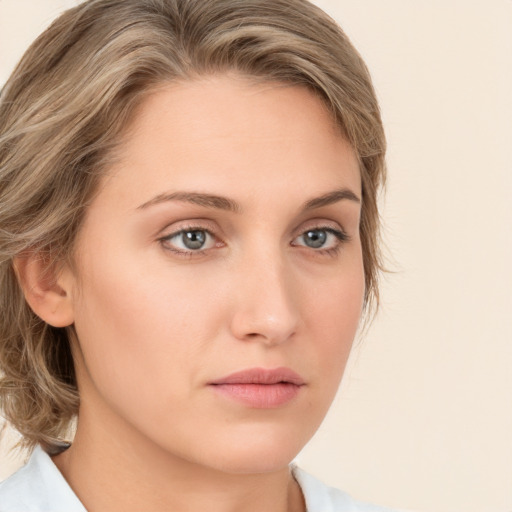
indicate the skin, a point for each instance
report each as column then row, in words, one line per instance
column 155, row 326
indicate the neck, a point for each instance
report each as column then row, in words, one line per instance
column 108, row 476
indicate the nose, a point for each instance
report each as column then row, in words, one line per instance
column 266, row 307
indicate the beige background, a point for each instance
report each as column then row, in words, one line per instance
column 424, row 420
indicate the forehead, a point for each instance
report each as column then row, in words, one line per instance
column 206, row 98
column 228, row 130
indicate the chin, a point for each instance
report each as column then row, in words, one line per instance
column 259, row 451
column 254, row 463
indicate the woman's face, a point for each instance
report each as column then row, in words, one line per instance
column 219, row 275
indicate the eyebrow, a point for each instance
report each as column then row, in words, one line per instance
column 206, row 200
column 331, row 198
column 224, row 203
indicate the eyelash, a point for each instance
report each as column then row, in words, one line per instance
column 341, row 236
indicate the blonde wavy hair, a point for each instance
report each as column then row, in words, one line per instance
column 63, row 111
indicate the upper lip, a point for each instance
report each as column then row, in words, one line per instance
column 262, row 376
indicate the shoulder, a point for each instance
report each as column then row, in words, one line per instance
column 38, row 487
column 321, row 498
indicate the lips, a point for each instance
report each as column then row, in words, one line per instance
column 260, row 388
column 262, row 376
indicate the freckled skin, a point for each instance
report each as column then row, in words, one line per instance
column 156, row 324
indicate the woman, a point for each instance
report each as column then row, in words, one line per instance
column 189, row 241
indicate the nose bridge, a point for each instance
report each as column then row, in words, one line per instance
column 266, row 307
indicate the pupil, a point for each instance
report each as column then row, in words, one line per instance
column 194, row 239
column 315, row 238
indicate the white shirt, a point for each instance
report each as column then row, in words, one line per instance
column 40, row 487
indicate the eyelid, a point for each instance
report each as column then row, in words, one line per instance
column 176, row 227
column 338, row 232
column 320, row 223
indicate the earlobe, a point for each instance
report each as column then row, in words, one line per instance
column 48, row 294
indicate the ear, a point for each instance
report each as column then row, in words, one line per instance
column 48, row 294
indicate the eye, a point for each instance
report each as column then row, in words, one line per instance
column 189, row 240
column 324, row 239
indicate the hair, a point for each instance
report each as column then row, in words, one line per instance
column 63, row 112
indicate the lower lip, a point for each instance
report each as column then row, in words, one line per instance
column 259, row 396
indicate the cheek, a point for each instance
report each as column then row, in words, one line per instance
column 141, row 331
column 334, row 313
